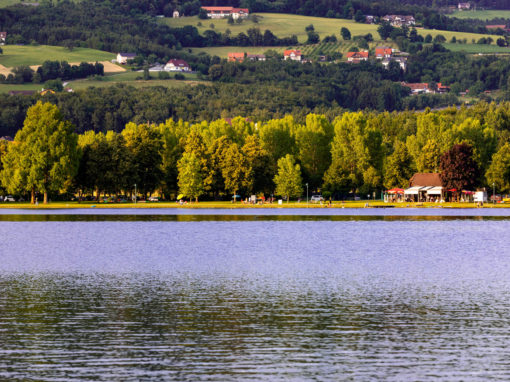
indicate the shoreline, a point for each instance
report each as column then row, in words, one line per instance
column 239, row 205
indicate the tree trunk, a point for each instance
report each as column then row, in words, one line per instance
column 32, row 197
column 45, row 197
column 196, row 199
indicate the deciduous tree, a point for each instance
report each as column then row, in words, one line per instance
column 288, row 180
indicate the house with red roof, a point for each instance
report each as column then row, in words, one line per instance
column 222, row 12
column 176, row 65
column 357, row 57
column 294, row 55
column 236, row 57
column 418, row 88
column 383, row 52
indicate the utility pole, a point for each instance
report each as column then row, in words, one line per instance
column 307, row 194
column 135, row 193
column 493, row 192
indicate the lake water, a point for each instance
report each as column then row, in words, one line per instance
column 279, row 294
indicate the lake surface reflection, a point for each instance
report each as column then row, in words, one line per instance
column 374, row 297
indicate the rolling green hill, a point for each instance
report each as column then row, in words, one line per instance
column 284, row 25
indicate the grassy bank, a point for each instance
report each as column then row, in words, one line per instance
column 239, row 205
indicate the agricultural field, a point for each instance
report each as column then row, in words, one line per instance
column 476, row 48
column 16, row 55
column 285, row 25
column 481, row 15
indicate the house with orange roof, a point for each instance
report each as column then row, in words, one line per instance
column 418, row 88
column 294, row 55
column 357, row 57
column 383, row 52
column 236, row 57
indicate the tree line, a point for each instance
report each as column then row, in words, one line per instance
column 354, row 152
column 51, row 70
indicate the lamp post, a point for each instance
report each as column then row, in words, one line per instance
column 135, row 193
column 307, row 194
column 493, row 192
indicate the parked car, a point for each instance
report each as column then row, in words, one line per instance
column 9, row 198
column 153, row 199
column 316, row 198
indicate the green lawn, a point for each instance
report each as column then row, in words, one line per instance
column 5, row 88
column 285, row 25
column 481, row 15
column 476, row 48
column 15, row 55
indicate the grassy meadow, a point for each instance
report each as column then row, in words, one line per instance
column 285, row 25
column 477, row 48
column 482, row 15
column 16, row 55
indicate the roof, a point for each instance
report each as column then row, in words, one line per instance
column 226, row 9
column 432, row 179
column 289, row 52
column 236, row 55
column 383, row 50
column 501, row 26
column 416, row 86
column 177, row 62
column 128, row 54
column 357, row 54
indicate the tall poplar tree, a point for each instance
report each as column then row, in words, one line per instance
column 288, row 180
column 44, row 154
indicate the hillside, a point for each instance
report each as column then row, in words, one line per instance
column 285, row 25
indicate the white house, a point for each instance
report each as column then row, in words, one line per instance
column 176, row 14
column 294, row 55
column 3, row 36
column 176, row 65
column 122, row 58
column 222, row 12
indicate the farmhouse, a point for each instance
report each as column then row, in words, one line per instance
column 383, row 52
column 442, row 88
column 222, row 12
column 176, row 65
column 357, row 57
column 464, row 6
column 3, row 36
column 418, row 88
column 122, row 58
column 399, row 20
column 236, row 57
column 294, row 55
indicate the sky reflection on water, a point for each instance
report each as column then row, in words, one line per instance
column 397, row 300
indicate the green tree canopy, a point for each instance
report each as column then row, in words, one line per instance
column 499, row 169
column 191, row 183
column 288, row 180
column 44, row 155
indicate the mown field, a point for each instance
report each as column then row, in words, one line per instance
column 481, row 15
column 285, row 25
column 476, row 48
column 16, row 55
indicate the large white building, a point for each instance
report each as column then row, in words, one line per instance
column 222, row 12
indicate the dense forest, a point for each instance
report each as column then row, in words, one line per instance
column 352, row 152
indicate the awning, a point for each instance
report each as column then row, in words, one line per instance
column 399, row 191
column 412, row 190
column 435, row 191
